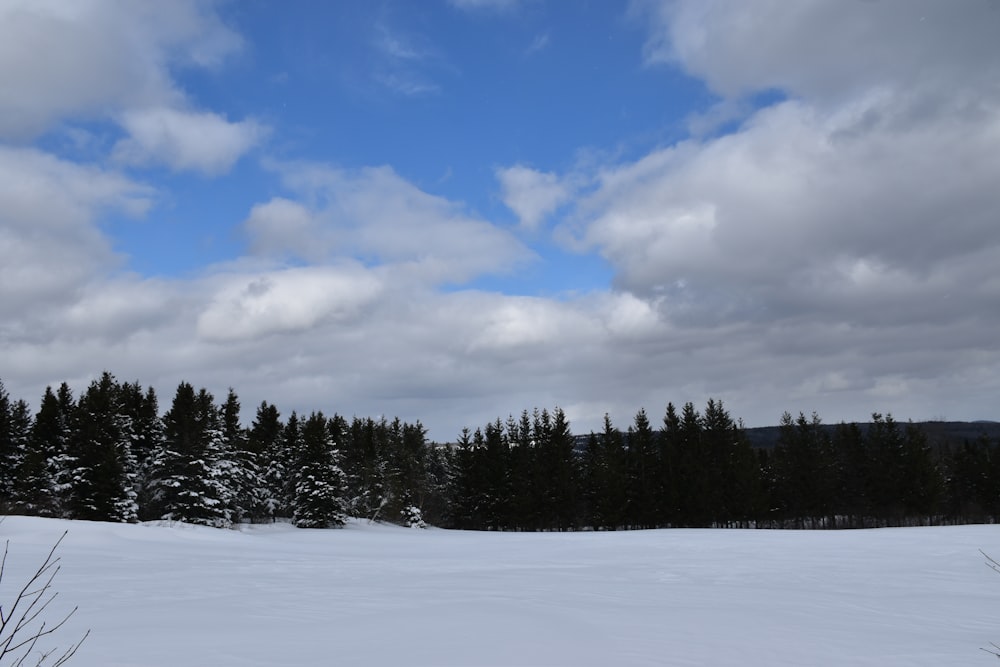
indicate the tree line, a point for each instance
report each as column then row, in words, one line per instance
column 111, row 455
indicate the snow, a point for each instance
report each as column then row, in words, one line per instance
column 162, row 595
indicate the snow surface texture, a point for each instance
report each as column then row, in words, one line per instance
column 163, row 596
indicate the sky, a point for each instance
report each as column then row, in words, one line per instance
column 453, row 210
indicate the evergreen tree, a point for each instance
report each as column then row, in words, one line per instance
column 804, row 471
column 440, row 474
column 560, row 471
column 884, row 442
column 291, row 443
column 853, row 470
column 641, row 465
column 319, row 489
column 237, row 467
column 924, row 481
column 606, row 478
column 669, row 482
column 145, row 436
column 692, row 470
column 524, row 506
column 466, row 503
column 185, row 481
column 265, row 445
column 103, row 470
column 495, row 456
column 8, row 452
column 37, row 485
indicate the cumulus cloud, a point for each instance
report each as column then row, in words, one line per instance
column 376, row 215
column 825, row 50
column 49, row 242
column 199, row 141
column 531, row 194
column 285, row 301
column 63, row 60
column 840, row 238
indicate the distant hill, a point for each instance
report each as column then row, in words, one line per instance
column 938, row 433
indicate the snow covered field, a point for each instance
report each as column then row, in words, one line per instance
column 170, row 596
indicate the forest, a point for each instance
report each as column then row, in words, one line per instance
column 112, row 455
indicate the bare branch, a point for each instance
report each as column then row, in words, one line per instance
column 19, row 636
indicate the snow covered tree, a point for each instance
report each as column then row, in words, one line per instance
column 7, row 459
column 145, row 436
column 37, row 487
column 184, row 481
column 102, row 476
column 265, row 445
column 15, row 422
column 319, row 481
column 237, row 469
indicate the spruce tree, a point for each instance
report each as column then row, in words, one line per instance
column 642, row 469
column 319, row 488
column 37, row 485
column 265, row 445
column 103, row 472
column 606, row 478
column 669, row 482
column 8, row 452
column 185, row 481
column 237, row 468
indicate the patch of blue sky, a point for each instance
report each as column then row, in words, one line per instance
column 443, row 97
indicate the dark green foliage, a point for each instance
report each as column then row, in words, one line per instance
column 101, row 456
column 37, row 489
column 102, row 470
column 264, row 444
column 318, row 496
column 642, row 467
column 606, row 479
column 185, row 483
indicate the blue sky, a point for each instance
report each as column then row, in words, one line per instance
column 454, row 210
column 446, row 97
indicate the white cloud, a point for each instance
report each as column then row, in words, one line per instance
column 282, row 227
column 65, row 60
column 49, row 243
column 825, row 50
column 199, row 141
column 285, row 301
column 375, row 215
column 533, row 195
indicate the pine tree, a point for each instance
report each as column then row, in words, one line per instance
column 237, row 467
column 145, row 434
column 692, row 470
column 103, row 472
column 669, row 482
column 37, row 486
column 561, row 469
column 641, row 465
column 8, row 453
column 606, row 478
column 319, row 488
column 495, row 461
column 265, row 446
column 185, row 481
column 466, row 499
